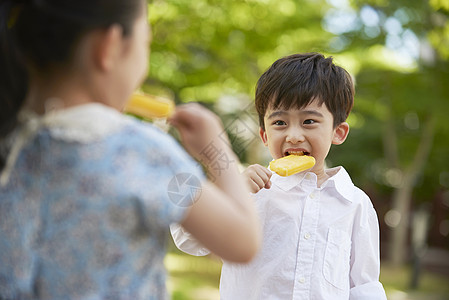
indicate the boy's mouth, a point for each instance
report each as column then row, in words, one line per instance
column 296, row 152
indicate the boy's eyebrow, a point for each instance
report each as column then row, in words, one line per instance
column 303, row 112
column 312, row 112
column 277, row 113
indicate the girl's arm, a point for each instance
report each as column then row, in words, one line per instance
column 223, row 217
column 257, row 177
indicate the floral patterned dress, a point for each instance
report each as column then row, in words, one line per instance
column 84, row 209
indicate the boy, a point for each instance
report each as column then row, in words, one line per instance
column 320, row 232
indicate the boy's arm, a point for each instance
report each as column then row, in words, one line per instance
column 365, row 260
column 186, row 242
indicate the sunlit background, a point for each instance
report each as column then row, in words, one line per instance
column 213, row 51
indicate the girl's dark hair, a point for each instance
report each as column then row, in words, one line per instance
column 40, row 34
column 296, row 80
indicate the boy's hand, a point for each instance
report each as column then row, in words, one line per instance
column 258, row 177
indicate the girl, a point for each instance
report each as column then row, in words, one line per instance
column 86, row 193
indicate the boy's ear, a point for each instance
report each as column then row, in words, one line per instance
column 108, row 47
column 263, row 136
column 340, row 133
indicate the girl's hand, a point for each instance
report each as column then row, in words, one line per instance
column 258, row 177
column 198, row 127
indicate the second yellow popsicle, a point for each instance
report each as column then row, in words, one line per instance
column 149, row 106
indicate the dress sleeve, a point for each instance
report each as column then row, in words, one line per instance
column 365, row 257
column 168, row 180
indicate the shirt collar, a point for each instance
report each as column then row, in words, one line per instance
column 339, row 180
column 289, row 182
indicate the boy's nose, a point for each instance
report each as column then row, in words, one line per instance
column 294, row 136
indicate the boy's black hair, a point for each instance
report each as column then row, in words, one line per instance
column 296, row 80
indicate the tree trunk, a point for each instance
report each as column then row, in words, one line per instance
column 398, row 240
column 402, row 196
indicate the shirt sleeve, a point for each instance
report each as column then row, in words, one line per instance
column 365, row 257
column 186, row 242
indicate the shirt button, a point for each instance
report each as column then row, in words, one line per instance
column 312, row 196
column 307, row 236
column 302, row 280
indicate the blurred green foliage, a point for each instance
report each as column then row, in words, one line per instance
column 397, row 50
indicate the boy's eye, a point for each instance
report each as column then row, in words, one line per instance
column 279, row 123
column 309, row 121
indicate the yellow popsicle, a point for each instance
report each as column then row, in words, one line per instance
column 149, row 106
column 292, row 164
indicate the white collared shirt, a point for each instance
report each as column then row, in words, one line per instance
column 318, row 243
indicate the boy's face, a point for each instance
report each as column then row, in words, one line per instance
column 308, row 130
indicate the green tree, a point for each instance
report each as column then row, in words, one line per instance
column 409, row 101
column 397, row 51
column 206, row 48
